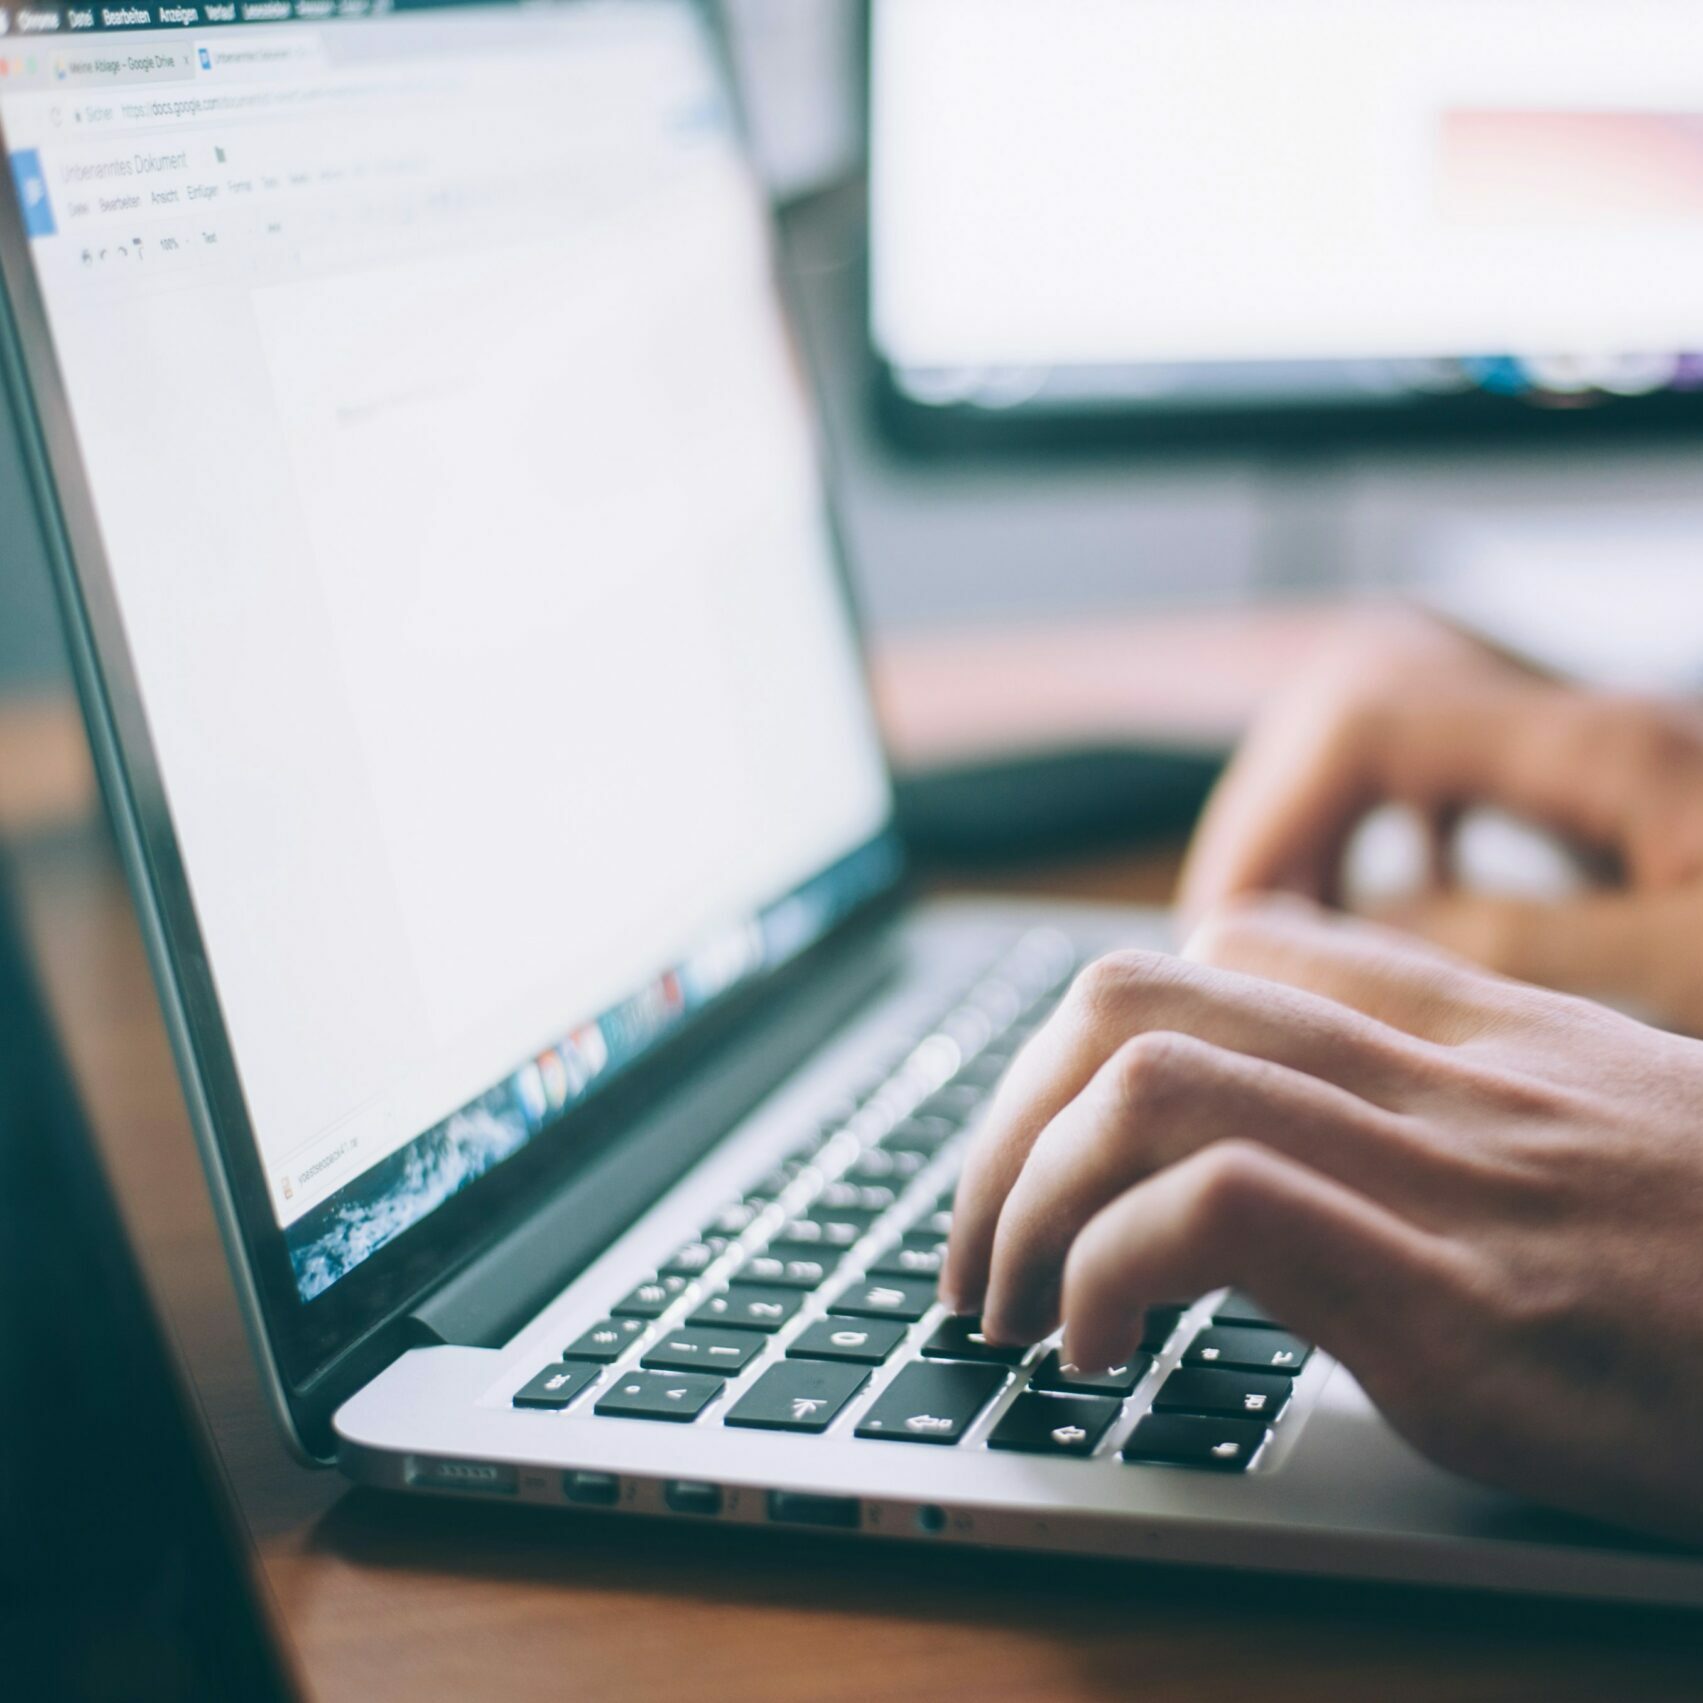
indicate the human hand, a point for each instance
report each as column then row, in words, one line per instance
column 1484, row 1198
column 1403, row 709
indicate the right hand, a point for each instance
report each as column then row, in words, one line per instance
column 1402, row 709
column 1483, row 1198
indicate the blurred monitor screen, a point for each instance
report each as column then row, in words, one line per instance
column 1201, row 205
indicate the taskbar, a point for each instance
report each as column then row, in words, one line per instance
column 351, row 1225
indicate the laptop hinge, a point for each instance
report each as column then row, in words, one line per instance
column 492, row 1297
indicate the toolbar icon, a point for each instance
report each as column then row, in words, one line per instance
column 31, row 184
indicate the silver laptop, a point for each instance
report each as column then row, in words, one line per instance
column 453, row 592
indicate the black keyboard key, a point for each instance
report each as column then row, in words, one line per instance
column 868, row 1200
column 750, row 1309
column 1225, row 1395
column 1239, row 1309
column 884, row 1165
column 733, row 1221
column 555, row 1387
column 962, row 1339
column 1160, row 1326
column 786, row 1248
column 911, row 1262
column 920, row 1134
column 776, row 1182
column 1054, row 1425
column 1177, row 1439
column 696, row 1257
column 826, row 1229
column 695, row 1349
column 653, row 1298
column 605, row 1342
column 906, row 1298
column 956, row 1102
column 865, row 1342
column 984, row 1071
column 784, row 1271
column 798, row 1395
column 1248, row 1349
column 1060, row 1376
column 675, row 1397
column 932, row 1402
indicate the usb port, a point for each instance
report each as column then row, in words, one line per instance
column 685, row 1496
column 794, row 1508
column 592, row 1489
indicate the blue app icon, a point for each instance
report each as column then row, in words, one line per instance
column 31, row 184
column 206, row 59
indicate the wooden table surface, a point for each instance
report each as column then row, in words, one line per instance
column 384, row 1598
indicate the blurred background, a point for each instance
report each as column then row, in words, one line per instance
column 1150, row 334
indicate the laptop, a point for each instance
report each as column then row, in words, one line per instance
column 136, row 1563
column 449, row 570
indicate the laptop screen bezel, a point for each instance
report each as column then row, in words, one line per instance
column 305, row 1340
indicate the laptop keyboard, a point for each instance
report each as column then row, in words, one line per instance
column 797, row 1299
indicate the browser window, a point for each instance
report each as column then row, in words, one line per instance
column 457, row 482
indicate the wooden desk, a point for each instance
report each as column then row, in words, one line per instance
column 390, row 1599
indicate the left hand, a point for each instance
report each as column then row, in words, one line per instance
column 1484, row 1198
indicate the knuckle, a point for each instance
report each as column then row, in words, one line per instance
column 1232, row 1186
column 1636, row 736
column 1105, row 991
column 1150, row 1071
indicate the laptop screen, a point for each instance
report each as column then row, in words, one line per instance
column 457, row 486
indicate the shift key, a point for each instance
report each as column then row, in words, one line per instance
column 936, row 1403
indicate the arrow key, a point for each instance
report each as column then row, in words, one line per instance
column 676, row 1396
column 1054, row 1425
column 1182, row 1439
column 798, row 1395
column 1248, row 1349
